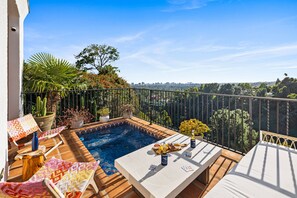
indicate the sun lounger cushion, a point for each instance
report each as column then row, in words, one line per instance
column 22, row 127
column 51, row 133
column 268, row 170
column 70, row 178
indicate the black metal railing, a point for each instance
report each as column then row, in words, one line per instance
column 235, row 120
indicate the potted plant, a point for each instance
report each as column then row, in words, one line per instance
column 104, row 114
column 75, row 118
column 127, row 110
column 43, row 118
column 193, row 127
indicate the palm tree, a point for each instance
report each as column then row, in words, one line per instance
column 44, row 73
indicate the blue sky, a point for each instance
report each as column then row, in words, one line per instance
column 199, row 41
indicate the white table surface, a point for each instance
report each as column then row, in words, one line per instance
column 143, row 169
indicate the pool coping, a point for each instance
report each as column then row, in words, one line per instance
column 101, row 177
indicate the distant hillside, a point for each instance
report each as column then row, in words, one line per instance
column 183, row 86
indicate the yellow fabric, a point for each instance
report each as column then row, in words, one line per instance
column 31, row 164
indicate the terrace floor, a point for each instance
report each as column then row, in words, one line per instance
column 116, row 185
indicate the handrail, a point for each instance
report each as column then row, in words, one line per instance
column 235, row 120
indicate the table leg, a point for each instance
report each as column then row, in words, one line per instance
column 204, row 176
column 137, row 192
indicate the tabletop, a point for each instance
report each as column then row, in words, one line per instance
column 143, row 169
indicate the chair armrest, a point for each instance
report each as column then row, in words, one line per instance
column 52, row 188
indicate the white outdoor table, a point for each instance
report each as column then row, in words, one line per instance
column 143, row 169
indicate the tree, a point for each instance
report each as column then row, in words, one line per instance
column 209, row 88
column 96, row 57
column 44, row 73
column 285, row 87
column 109, row 69
column 262, row 90
column 246, row 88
column 227, row 89
column 234, row 128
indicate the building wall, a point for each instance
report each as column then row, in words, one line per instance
column 3, row 80
column 11, row 49
column 18, row 10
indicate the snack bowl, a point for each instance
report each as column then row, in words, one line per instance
column 156, row 146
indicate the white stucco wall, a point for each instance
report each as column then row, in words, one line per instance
column 3, row 81
column 18, row 10
column 11, row 59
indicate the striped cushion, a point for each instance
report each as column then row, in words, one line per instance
column 22, row 127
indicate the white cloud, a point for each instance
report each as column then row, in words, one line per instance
column 129, row 38
column 267, row 52
column 175, row 5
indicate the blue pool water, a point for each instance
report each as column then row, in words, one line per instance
column 109, row 144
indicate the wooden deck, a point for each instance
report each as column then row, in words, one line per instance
column 116, row 185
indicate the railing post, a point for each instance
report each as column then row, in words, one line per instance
column 250, row 123
column 150, row 107
column 277, row 116
column 287, row 118
column 129, row 95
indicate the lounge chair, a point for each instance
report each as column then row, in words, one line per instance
column 57, row 178
column 269, row 169
column 26, row 125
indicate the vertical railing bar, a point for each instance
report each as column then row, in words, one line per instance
column 77, row 93
column 212, row 101
column 268, row 115
column 242, row 126
column 217, row 141
column 287, row 118
column 260, row 116
column 91, row 104
column 277, row 116
column 250, row 122
column 223, row 119
column 193, row 105
column 207, row 110
column 229, row 118
column 31, row 102
column 235, row 119
column 198, row 104
column 202, row 109
column 150, row 105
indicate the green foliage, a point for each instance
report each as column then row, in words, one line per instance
column 45, row 73
column 192, row 89
column 82, row 102
column 40, row 107
column 235, row 126
column 96, row 57
column 285, row 88
column 165, row 119
column 94, row 81
column 246, row 89
column 292, row 96
column 193, row 126
column 227, row 89
column 95, row 107
column 209, row 88
column 143, row 116
column 109, row 69
column 104, row 111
